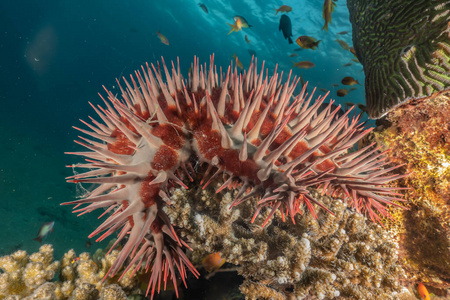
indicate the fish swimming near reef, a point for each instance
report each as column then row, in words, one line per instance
column 238, row 62
column 283, row 8
column 307, row 42
column 286, row 27
column 246, row 39
column 203, row 7
column 236, row 26
column 243, row 21
column 328, row 8
column 343, row 44
column 44, row 231
column 212, row 262
column 341, row 92
column 162, row 38
column 348, row 80
column 304, row 64
column 423, row 292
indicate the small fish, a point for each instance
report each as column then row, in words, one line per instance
column 88, row 244
column 238, row 62
column 352, row 88
column 247, row 40
column 335, row 85
column 203, row 7
column 423, row 292
column 212, row 262
column 75, row 259
column 286, row 27
column 343, row 44
column 355, row 60
column 347, row 64
column 349, row 80
column 302, row 80
column 44, row 231
column 341, row 92
column 308, row 42
column 293, row 55
column 236, row 26
column 328, row 8
column 252, row 52
column 342, row 32
column 304, row 64
column 352, row 50
column 162, row 38
column 324, row 90
column 283, row 8
column 243, row 21
column 362, row 107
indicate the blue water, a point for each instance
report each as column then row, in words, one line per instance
column 56, row 55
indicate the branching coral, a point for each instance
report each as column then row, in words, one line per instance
column 26, row 276
column 329, row 257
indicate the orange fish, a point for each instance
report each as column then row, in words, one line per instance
column 162, row 38
column 212, row 262
column 283, row 8
column 75, row 259
column 423, row 292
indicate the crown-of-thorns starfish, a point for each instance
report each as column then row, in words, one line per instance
column 246, row 128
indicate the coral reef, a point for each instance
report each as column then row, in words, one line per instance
column 29, row 277
column 335, row 256
column 418, row 135
column 404, row 46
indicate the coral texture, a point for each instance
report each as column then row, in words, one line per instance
column 244, row 128
column 404, row 46
column 339, row 256
column 419, row 135
column 29, row 277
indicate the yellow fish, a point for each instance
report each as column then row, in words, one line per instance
column 283, row 8
column 162, row 38
column 236, row 26
column 238, row 62
column 328, row 8
column 212, row 262
column 307, row 42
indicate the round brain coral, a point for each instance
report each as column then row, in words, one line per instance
column 246, row 129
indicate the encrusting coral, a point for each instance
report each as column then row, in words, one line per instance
column 341, row 256
column 418, row 135
column 29, row 277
